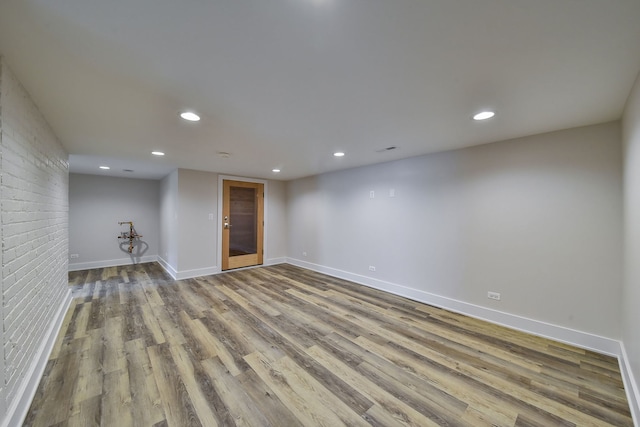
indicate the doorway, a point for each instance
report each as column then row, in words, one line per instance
column 242, row 224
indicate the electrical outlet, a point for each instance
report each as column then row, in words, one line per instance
column 372, row 194
column 494, row 295
column 210, row 217
column 74, row 256
column 304, row 254
column 372, row 268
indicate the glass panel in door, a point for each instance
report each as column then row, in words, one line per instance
column 242, row 228
column 243, row 235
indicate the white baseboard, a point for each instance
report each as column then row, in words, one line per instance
column 630, row 385
column 111, row 263
column 188, row 274
column 167, row 267
column 17, row 412
column 559, row 333
column 175, row 274
column 577, row 338
column 580, row 339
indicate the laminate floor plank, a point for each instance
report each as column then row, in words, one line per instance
column 116, row 400
column 284, row 346
column 240, row 405
column 200, row 396
column 90, row 361
column 286, row 336
column 266, row 401
column 88, row 413
column 177, row 405
column 145, row 397
column 386, row 405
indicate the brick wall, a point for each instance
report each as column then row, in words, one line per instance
column 33, row 230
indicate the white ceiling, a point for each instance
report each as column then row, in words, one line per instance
column 285, row 83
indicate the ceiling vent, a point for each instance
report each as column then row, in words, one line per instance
column 384, row 150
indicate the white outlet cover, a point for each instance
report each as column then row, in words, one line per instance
column 493, row 295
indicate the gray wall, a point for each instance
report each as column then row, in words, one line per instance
column 198, row 198
column 276, row 217
column 631, row 295
column 96, row 205
column 33, row 230
column 168, row 250
column 537, row 219
column 190, row 240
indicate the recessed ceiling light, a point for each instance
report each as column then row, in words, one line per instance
column 275, row 170
column 191, row 116
column 338, row 154
column 157, row 153
column 105, row 167
column 484, row 115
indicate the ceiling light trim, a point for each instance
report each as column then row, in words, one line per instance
column 190, row 116
column 484, row 115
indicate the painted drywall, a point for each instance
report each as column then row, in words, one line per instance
column 276, row 222
column 96, row 205
column 631, row 292
column 197, row 221
column 189, row 238
column 537, row 219
column 33, row 229
column 168, row 247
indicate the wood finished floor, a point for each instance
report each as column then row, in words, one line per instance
column 283, row 346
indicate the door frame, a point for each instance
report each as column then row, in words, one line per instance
column 221, row 179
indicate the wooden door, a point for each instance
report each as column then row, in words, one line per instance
column 242, row 224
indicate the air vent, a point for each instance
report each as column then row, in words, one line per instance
column 383, row 150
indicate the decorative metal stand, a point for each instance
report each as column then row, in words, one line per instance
column 131, row 235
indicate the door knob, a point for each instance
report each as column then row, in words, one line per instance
column 227, row 225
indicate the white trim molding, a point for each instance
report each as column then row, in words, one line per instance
column 599, row 344
column 111, row 263
column 630, row 385
column 17, row 412
column 189, row 274
column 577, row 338
column 167, row 267
column 274, row 261
column 198, row 272
column 175, row 274
column 580, row 339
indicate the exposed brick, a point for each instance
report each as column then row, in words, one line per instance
column 33, row 230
